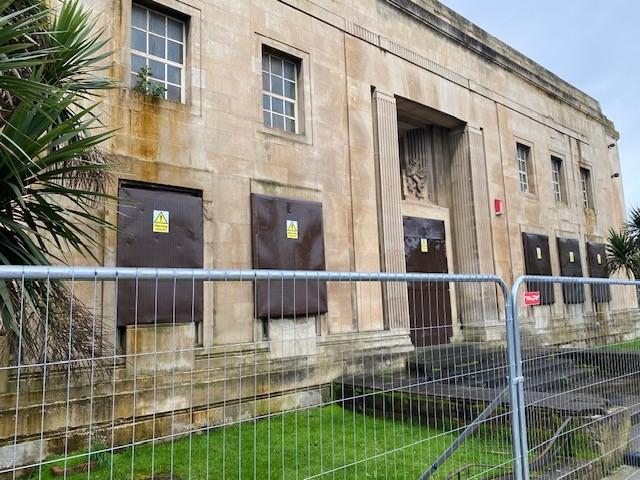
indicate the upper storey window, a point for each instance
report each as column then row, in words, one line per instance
column 158, row 44
column 280, row 91
column 557, row 179
column 587, row 188
column 523, row 154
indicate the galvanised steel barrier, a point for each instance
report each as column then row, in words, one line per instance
column 123, row 373
column 580, row 348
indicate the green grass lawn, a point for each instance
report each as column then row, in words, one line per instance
column 328, row 443
column 628, row 346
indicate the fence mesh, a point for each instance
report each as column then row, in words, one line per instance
column 193, row 374
column 581, row 365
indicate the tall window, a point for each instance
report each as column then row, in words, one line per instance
column 556, row 178
column 279, row 92
column 158, row 43
column 587, row 189
column 523, row 153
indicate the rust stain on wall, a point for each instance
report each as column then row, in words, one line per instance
column 146, row 130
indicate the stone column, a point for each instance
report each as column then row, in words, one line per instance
column 471, row 217
column 390, row 230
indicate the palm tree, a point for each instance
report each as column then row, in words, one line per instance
column 623, row 249
column 53, row 178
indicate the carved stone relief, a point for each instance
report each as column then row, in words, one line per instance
column 417, row 165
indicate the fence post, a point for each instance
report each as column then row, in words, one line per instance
column 519, row 376
column 514, row 381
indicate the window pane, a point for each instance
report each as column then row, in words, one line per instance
column 266, row 102
column 289, row 71
column 138, row 40
column 265, row 62
column 173, row 93
column 137, row 63
column 278, row 121
column 174, row 30
column 276, row 85
column 266, row 118
column 157, row 23
column 289, row 109
column 173, row 75
column 157, row 69
column 291, row 125
column 277, row 105
column 276, row 65
column 265, row 82
column 156, row 46
column 174, row 52
column 289, row 89
column 139, row 17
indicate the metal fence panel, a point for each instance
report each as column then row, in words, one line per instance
column 580, row 361
column 84, row 394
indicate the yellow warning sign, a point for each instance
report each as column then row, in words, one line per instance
column 539, row 253
column 292, row 229
column 424, row 245
column 571, row 257
column 160, row 221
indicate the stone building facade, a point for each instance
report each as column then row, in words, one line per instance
column 390, row 109
column 381, row 112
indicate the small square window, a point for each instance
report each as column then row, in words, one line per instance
column 279, row 91
column 157, row 42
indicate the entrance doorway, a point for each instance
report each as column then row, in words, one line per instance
column 429, row 302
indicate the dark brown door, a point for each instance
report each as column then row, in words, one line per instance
column 429, row 302
column 159, row 227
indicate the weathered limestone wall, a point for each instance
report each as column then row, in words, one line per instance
column 217, row 143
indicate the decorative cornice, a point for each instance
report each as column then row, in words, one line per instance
column 452, row 25
column 356, row 30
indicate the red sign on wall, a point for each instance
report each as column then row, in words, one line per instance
column 498, row 206
column 531, row 298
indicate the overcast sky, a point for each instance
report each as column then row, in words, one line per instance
column 593, row 45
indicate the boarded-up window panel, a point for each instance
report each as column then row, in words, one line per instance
column 538, row 262
column 570, row 266
column 274, row 248
column 597, row 259
column 162, row 301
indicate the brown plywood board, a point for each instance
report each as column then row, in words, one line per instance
column 597, row 261
column 288, row 234
column 160, row 228
column 570, row 266
column 537, row 261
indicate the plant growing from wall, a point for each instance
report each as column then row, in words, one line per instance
column 623, row 247
column 53, row 177
column 146, row 86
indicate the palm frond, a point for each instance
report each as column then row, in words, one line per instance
column 633, row 224
column 53, row 177
column 622, row 253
